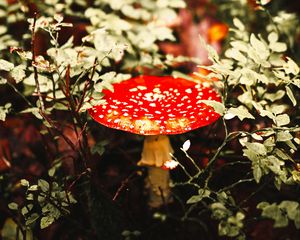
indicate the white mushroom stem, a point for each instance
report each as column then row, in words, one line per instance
column 155, row 153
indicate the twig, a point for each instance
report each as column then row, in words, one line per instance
column 77, row 179
column 214, row 158
column 20, row 94
column 123, row 185
column 86, row 85
column 35, row 72
column 236, row 183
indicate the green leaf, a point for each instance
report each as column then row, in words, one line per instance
column 236, row 55
column 273, row 37
column 262, row 205
column 240, row 112
column 4, row 111
column 297, row 219
column 33, row 188
column 46, row 221
column 5, row 65
column 296, row 82
column 31, row 219
column 291, row 67
column 282, row 119
column 13, row 206
column 257, row 173
column 217, row 106
column 18, row 73
column 278, row 47
column 202, row 193
column 257, row 44
column 284, row 136
column 24, row 183
column 291, row 95
column 194, row 199
column 238, row 24
column 275, row 96
column 290, row 207
column 51, row 172
column 99, row 147
column 2, row 81
column 24, row 211
column 257, row 148
column 43, row 185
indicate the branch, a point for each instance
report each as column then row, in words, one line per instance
column 36, row 77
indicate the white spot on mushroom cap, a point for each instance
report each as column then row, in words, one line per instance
column 184, row 97
column 142, row 87
column 188, row 90
column 133, row 90
column 156, row 90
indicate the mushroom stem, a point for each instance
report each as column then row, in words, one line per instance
column 155, row 153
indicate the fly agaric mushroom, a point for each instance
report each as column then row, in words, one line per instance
column 155, row 107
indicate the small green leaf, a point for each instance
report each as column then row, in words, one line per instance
column 291, row 95
column 13, row 206
column 257, row 173
column 44, row 185
column 290, row 207
column 217, row 106
column 240, row 112
column 202, row 193
column 284, row 136
column 46, row 221
column 238, row 24
column 291, row 67
column 257, row 44
column 24, row 211
column 24, row 183
column 18, row 73
column 3, row 81
column 5, row 65
column 273, row 37
column 33, row 188
column 31, row 219
column 282, row 120
column 194, row 199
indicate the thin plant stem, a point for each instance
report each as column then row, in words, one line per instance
column 35, row 72
column 19, row 93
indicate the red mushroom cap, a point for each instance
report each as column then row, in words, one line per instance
column 152, row 105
